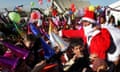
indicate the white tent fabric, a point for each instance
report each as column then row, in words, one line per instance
column 115, row 10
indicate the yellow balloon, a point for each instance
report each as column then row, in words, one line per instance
column 91, row 8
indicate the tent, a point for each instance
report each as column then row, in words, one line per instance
column 114, row 9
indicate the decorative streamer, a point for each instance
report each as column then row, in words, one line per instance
column 22, row 34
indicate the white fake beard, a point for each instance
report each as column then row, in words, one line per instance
column 88, row 30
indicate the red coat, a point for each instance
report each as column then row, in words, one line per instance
column 99, row 43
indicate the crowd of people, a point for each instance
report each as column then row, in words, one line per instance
column 60, row 42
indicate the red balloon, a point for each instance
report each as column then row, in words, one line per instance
column 73, row 9
column 40, row 1
column 35, row 15
column 72, row 5
column 48, row 0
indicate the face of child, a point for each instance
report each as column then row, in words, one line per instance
column 77, row 50
column 101, row 20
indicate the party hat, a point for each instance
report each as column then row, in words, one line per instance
column 34, row 30
column 9, row 63
column 48, row 51
column 63, row 45
column 53, row 43
column 20, row 52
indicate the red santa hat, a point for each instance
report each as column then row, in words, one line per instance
column 89, row 16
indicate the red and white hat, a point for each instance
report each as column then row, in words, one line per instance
column 89, row 16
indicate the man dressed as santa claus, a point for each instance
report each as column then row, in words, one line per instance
column 100, row 40
column 97, row 39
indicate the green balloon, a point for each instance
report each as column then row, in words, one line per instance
column 32, row 4
column 15, row 17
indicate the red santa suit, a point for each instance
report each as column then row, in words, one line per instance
column 114, row 51
column 98, row 44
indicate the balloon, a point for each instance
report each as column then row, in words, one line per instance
column 73, row 9
column 91, row 8
column 35, row 15
column 32, row 4
column 72, row 5
column 48, row 0
column 40, row 1
column 15, row 17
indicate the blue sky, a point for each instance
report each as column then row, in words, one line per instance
column 102, row 2
column 10, row 4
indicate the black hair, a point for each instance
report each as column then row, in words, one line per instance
column 118, row 23
column 75, row 42
column 111, row 17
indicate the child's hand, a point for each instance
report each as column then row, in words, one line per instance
column 55, row 30
column 74, row 57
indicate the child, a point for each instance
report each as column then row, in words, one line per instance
column 79, row 61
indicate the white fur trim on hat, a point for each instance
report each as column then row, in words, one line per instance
column 88, row 19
